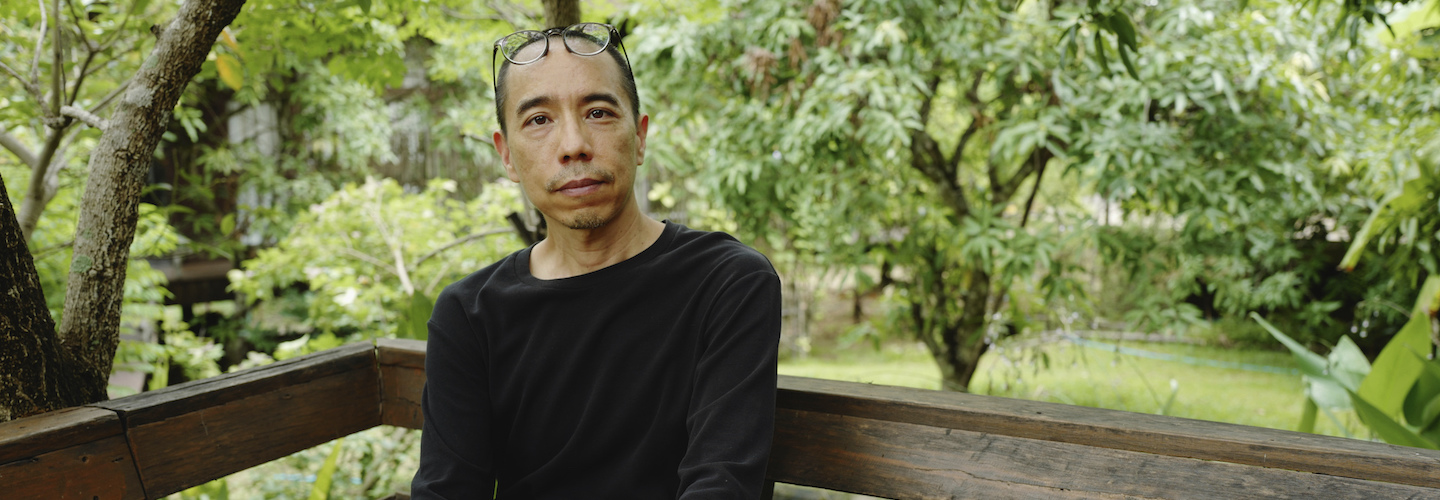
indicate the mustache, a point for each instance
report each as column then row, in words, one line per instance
column 584, row 171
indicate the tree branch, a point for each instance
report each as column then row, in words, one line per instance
column 29, row 86
column 105, row 228
column 39, row 42
column 14, row 145
column 368, row 259
column 85, row 116
column 926, row 157
column 1030, row 202
column 57, row 74
column 457, row 242
column 977, row 120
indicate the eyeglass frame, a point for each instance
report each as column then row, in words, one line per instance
column 564, row 40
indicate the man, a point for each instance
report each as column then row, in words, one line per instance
column 620, row 357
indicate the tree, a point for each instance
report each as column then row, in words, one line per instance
column 72, row 363
column 928, row 142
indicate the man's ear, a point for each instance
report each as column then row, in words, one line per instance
column 504, row 151
column 640, row 131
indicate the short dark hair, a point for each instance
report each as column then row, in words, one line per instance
column 627, row 80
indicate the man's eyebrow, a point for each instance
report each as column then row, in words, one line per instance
column 533, row 102
column 602, row 97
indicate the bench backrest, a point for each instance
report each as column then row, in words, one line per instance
column 875, row 440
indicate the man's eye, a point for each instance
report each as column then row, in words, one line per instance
column 599, row 113
column 539, row 120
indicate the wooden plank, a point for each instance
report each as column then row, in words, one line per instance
column 400, row 388
column 75, row 453
column 194, row 436
column 903, row 460
column 98, row 470
column 402, row 378
column 155, row 406
column 401, row 352
column 28, row 437
column 1118, row 430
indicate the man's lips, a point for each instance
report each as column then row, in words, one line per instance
column 580, row 187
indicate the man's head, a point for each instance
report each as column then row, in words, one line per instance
column 571, row 135
column 582, row 38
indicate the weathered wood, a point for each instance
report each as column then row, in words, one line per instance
column 27, row 437
column 171, row 401
column 199, row 431
column 903, row 460
column 407, row 353
column 74, row 453
column 402, row 378
column 883, row 441
column 1117, row 430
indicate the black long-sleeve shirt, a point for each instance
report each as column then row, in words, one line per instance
column 651, row 378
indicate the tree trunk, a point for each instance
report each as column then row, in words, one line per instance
column 36, row 375
column 90, row 324
column 561, row 13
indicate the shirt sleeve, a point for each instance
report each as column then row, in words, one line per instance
column 732, row 411
column 456, row 458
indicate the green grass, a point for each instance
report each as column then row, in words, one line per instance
column 1062, row 372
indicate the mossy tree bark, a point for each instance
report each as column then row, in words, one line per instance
column 561, row 13
column 89, row 331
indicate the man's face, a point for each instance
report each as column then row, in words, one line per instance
column 571, row 142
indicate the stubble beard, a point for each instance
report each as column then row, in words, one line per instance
column 590, row 218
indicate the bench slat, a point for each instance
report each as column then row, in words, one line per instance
column 1118, row 430
column 903, row 460
column 192, row 435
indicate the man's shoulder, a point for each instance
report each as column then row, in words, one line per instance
column 498, row 273
column 701, row 248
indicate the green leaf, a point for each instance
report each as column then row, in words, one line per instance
column 1129, row 66
column 1348, row 364
column 1310, row 363
column 1307, row 416
column 364, row 6
column 1100, row 53
column 1124, row 30
column 1422, row 403
column 1388, row 429
column 1397, row 367
column 421, row 307
column 230, row 72
column 227, row 224
column 1362, row 237
column 323, row 479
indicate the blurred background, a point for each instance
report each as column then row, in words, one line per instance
column 1216, row 209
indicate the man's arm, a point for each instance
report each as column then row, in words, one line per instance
column 455, row 446
column 732, row 410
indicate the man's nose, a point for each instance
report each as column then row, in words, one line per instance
column 574, row 141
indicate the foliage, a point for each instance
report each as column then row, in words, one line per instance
column 1328, row 380
column 370, row 250
column 1398, row 398
column 957, row 145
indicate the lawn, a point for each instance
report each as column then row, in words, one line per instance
column 1207, row 383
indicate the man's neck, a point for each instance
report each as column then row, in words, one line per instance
column 569, row 252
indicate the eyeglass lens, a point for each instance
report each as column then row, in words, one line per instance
column 586, row 39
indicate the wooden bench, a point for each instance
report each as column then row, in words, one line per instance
column 874, row 440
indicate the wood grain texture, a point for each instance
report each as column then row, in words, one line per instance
column 402, row 379
column 400, row 389
column 1118, row 430
column 903, row 460
column 400, row 352
column 155, row 406
column 194, row 436
column 100, row 469
column 32, row 436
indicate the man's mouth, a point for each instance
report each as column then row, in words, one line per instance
column 580, row 187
